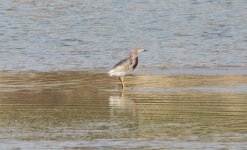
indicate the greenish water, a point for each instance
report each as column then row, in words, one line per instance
column 83, row 110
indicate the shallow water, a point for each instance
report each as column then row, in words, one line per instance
column 84, row 110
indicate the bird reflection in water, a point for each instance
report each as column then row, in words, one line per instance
column 122, row 104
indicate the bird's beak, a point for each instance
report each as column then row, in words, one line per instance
column 141, row 50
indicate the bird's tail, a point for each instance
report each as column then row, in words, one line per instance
column 111, row 72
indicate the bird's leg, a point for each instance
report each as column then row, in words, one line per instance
column 122, row 93
column 121, row 80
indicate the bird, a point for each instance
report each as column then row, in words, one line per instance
column 126, row 65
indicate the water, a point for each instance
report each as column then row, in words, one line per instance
column 189, row 90
column 71, row 35
column 83, row 110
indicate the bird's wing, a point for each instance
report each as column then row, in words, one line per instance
column 122, row 66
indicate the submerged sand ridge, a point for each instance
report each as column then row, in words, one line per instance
column 160, row 110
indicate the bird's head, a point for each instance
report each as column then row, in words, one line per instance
column 134, row 52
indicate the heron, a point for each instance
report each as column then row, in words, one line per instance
column 126, row 65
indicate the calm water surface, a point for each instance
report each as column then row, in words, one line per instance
column 83, row 110
column 188, row 92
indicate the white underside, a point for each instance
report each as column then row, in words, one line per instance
column 117, row 74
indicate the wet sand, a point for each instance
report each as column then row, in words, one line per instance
column 88, row 110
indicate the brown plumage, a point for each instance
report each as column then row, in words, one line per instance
column 126, row 65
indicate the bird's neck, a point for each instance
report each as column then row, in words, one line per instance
column 132, row 56
column 133, row 59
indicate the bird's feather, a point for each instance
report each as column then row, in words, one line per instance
column 134, row 63
column 124, row 66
